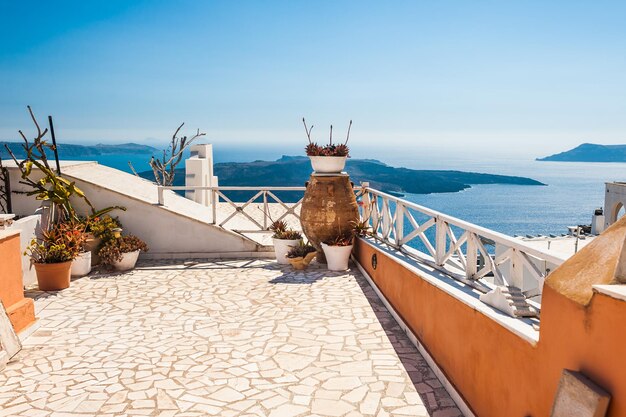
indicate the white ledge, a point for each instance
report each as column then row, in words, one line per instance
column 521, row 327
column 615, row 291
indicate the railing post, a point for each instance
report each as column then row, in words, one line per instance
column 471, row 256
column 517, row 270
column 214, row 200
column 386, row 220
column 160, row 196
column 366, row 201
column 440, row 240
column 399, row 223
column 265, row 209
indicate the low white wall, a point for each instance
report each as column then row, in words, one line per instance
column 169, row 234
column 29, row 228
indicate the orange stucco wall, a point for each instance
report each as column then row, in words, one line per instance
column 21, row 311
column 498, row 373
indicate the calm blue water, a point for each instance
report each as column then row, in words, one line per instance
column 574, row 190
column 572, row 193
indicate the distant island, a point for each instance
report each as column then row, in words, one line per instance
column 69, row 151
column 295, row 171
column 590, row 152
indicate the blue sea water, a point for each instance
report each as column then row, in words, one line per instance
column 572, row 192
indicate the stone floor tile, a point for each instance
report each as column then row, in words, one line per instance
column 219, row 337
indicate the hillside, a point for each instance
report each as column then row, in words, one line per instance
column 69, row 151
column 590, row 152
column 295, row 171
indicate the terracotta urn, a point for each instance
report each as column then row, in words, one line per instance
column 53, row 277
column 329, row 208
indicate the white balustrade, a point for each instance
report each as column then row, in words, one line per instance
column 456, row 247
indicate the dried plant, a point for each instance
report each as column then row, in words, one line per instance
column 164, row 169
column 313, row 149
column 5, row 189
column 51, row 187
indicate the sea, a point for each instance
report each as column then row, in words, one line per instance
column 572, row 192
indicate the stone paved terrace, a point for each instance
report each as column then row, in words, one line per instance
column 226, row 338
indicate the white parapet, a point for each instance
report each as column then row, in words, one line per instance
column 614, row 200
column 199, row 173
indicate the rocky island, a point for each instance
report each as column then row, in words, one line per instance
column 590, row 152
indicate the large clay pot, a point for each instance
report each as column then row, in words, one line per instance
column 53, row 277
column 329, row 208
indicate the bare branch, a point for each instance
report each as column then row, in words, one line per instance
column 308, row 131
column 348, row 135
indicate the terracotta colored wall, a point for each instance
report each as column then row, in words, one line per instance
column 498, row 373
column 20, row 310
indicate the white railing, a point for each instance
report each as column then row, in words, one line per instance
column 462, row 255
column 259, row 216
column 453, row 246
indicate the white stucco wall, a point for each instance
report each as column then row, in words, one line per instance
column 28, row 227
column 178, row 230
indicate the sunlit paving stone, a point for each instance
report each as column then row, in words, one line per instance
column 227, row 338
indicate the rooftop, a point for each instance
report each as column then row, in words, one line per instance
column 220, row 337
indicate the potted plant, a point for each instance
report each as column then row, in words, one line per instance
column 337, row 251
column 327, row 159
column 53, row 254
column 301, row 255
column 284, row 239
column 121, row 253
column 100, row 229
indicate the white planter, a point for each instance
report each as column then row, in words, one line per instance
column 129, row 259
column 337, row 257
column 282, row 246
column 328, row 164
column 81, row 266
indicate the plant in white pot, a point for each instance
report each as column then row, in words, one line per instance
column 327, row 159
column 121, row 253
column 284, row 239
column 337, row 251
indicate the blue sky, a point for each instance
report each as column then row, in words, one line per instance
column 524, row 77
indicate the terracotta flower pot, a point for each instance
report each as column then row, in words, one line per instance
column 92, row 245
column 53, row 277
column 302, row 262
column 328, row 164
column 329, row 208
column 282, row 246
column 129, row 259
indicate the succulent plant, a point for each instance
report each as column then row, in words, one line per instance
column 313, row 149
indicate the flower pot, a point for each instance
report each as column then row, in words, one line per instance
column 81, row 266
column 282, row 246
column 302, row 262
column 129, row 259
column 53, row 277
column 328, row 164
column 337, row 257
column 92, row 245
